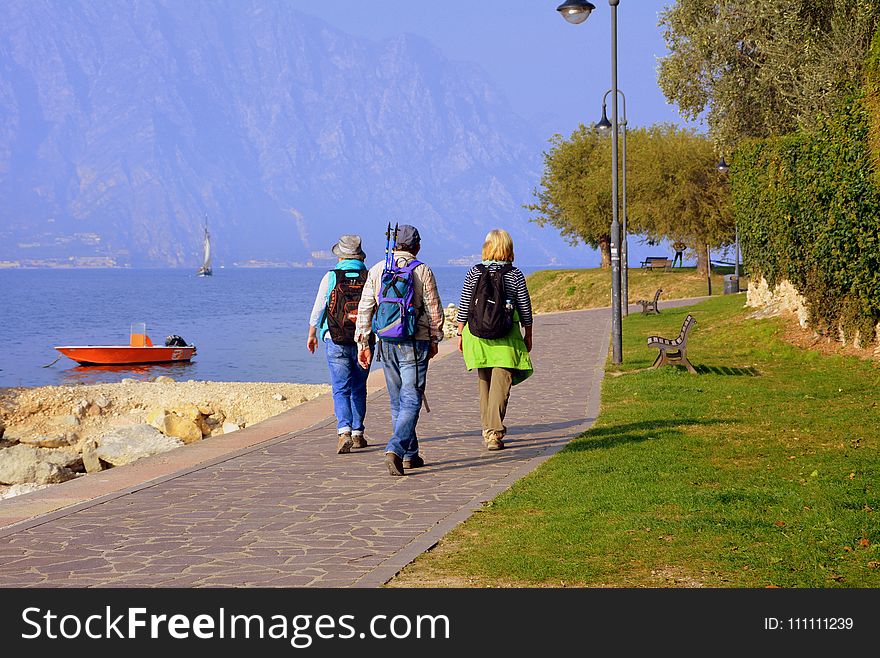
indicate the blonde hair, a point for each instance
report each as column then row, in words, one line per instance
column 498, row 245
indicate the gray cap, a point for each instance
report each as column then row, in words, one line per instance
column 408, row 237
column 349, row 246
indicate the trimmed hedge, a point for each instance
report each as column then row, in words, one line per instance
column 808, row 210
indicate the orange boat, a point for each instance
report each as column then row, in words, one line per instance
column 140, row 349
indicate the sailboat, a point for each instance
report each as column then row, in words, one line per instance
column 205, row 269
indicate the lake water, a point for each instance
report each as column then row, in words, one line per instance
column 248, row 325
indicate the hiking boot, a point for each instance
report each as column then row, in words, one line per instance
column 343, row 446
column 494, row 444
column 394, row 464
column 415, row 461
column 358, row 441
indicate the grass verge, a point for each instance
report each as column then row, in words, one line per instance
column 761, row 471
column 566, row 290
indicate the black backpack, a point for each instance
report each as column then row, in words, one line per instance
column 342, row 307
column 491, row 312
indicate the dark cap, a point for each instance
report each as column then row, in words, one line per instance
column 408, row 237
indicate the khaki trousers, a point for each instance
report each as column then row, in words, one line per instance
column 495, row 384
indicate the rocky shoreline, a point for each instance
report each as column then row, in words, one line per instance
column 51, row 434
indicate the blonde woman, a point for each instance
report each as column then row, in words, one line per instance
column 497, row 349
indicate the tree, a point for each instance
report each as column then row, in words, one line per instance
column 756, row 68
column 673, row 189
column 575, row 194
column 678, row 193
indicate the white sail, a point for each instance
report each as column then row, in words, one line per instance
column 205, row 269
column 207, row 264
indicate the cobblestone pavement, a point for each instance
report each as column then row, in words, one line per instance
column 289, row 512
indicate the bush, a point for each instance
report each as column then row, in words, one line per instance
column 807, row 208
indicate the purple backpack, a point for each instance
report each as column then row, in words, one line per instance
column 395, row 317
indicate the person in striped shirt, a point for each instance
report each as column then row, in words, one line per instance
column 501, row 362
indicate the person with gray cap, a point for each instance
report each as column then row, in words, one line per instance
column 404, row 362
column 333, row 319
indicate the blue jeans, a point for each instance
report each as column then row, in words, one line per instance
column 405, row 368
column 349, row 382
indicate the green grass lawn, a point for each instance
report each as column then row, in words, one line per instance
column 564, row 290
column 763, row 470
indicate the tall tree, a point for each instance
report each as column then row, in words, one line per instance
column 673, row 190
column 754, row 68
column 575, row 192
column 677, row 192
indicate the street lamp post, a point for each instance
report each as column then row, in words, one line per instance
column 605, row 126
column 723, row 167
column 577, row 11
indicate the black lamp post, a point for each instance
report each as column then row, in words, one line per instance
column 723, row 167
column 576, row 12
column 605, row 126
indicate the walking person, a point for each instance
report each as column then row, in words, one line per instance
column 405, row 353
column 333, row 323
column 495, row 331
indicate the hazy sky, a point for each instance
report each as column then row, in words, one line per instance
column 551, row 72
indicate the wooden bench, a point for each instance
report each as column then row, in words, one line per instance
column 674, row 352
column 657, row 263
column 650, row 306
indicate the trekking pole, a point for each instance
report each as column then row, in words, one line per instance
column 388, row 248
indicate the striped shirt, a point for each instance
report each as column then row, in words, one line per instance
column 429, row 325
column 514, row 286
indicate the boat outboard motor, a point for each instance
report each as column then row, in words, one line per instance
column 175, row 341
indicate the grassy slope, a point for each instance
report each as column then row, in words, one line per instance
column 564, row 290
column 763, row 470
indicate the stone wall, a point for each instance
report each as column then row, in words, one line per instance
column 784, row 298
column 775, row 301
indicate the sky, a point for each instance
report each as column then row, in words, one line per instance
column 551, row 72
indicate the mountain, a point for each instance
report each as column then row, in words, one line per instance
column 124, row 123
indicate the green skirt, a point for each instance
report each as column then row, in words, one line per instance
column 506, row 352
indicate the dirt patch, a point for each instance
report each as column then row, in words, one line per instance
column 808, row 339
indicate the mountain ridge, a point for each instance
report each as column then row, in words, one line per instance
column 123, row 123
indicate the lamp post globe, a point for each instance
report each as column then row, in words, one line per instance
column 576, row 11
column 723, row 166
column 604, row 124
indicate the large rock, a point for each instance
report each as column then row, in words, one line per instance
column 45, row 441
column 183, row 428
column 90, row 456
column 22, row 464
column 63, row 457
column 2, row 428
column 196, row 415
column 19, row 489
column 156, row 418
column 125, row 445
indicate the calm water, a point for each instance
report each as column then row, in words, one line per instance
column 247, row 324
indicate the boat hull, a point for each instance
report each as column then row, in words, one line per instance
column 118, row 355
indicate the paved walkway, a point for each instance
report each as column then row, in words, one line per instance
column 284, row 510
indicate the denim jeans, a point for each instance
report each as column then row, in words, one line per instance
column 405, row 367
column 349, row 382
